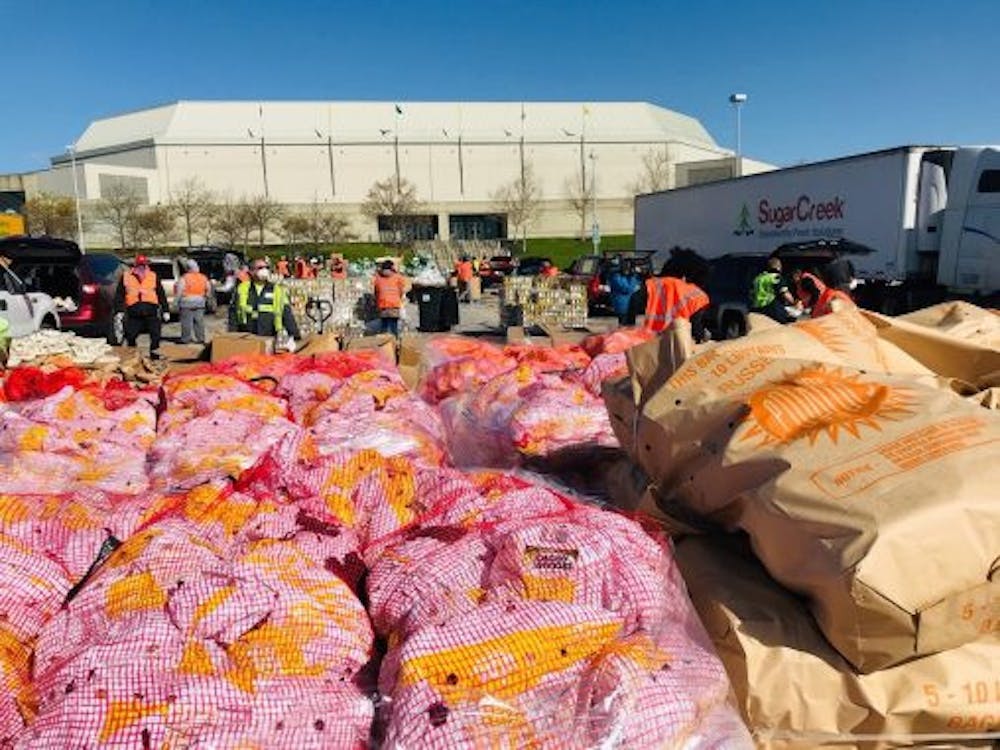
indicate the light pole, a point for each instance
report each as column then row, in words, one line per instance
column 738, row 100
column 595, row 228
column 76, row 196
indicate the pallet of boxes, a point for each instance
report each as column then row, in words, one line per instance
column 339, row 306
column 849, row 467
column 536, row 301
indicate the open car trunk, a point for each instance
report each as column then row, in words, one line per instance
column 48, row 265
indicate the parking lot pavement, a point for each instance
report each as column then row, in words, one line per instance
column 476, row 318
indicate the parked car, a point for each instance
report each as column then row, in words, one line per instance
column 24, row 311
column 593, row 270
column 530, row 265
column 220, row 265
column 494, row 270
column 82, row 285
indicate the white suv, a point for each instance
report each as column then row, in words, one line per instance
column 25, row 312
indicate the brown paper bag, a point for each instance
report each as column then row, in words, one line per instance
column 795, row 691
column 629, row 489
column 960, row 320
column 941, row 352
column 872, row 494
column 989, row 399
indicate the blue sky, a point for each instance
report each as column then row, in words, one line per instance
column 824, row 78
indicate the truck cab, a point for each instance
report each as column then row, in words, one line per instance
column 968, row 223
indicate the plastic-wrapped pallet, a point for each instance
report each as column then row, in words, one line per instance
column 534, row 300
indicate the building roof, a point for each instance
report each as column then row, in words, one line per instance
column 229, row 122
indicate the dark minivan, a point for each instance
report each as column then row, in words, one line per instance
column 82, row 284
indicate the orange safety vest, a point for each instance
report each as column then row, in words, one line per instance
column 339, row 274
column 801, row 293
column 283, row 268
column 668, row 298
column 389, row 291
column 464, row 270
column 140, row 291
column 824, row 305
column 195, row 284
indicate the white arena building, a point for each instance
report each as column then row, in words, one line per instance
column 457, row 154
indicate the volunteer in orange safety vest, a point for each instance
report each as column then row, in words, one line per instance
column 831, row 300
column 338, row 269
column 194, row 296
column 390, row 290
column 839, row 277
column 142, row 298
column 464, row 271
column 669, row 298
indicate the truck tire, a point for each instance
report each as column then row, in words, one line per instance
column 48, row 324
column 733, row 325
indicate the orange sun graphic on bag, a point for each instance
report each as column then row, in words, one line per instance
column 816, row 400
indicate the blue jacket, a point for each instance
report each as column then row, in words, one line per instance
column 623, row 286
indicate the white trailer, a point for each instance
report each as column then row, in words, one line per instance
column 930, row 214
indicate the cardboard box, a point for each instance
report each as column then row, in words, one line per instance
column 553, row 336
column 320, row 343
column 475, row 289
column 183, row 352
column 225, row 345
column 411, row 354
column 384, row 342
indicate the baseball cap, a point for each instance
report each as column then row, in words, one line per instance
column 141, row 260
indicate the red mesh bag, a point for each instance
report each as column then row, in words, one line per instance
column 28, row 383
column 562, row 358
column 616, row 342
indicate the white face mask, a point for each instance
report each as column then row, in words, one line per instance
column 261, row 273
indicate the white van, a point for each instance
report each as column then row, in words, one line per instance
column 24, row 312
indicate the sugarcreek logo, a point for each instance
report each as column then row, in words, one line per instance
column 743, row 228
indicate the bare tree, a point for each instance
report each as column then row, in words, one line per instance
column 655, row 173
column 154, row 226
column 209, row 223
column 394, row 201
column 52, row 215
column 264, row 212
column 325, row 226
column 581, row 198
column 117, row 208
column 233, row 222
column 192, row 202
column 521, row 201
column 294, row 227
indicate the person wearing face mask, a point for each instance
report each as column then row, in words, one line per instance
column 142, row 297
column 260, row 304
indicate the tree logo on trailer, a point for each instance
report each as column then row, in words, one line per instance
column 743, row 228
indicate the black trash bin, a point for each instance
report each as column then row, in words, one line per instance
column 449, row 307
column 430, row 303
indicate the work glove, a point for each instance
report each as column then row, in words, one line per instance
column 166, row 317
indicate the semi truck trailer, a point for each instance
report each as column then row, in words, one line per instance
column 924, row 220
